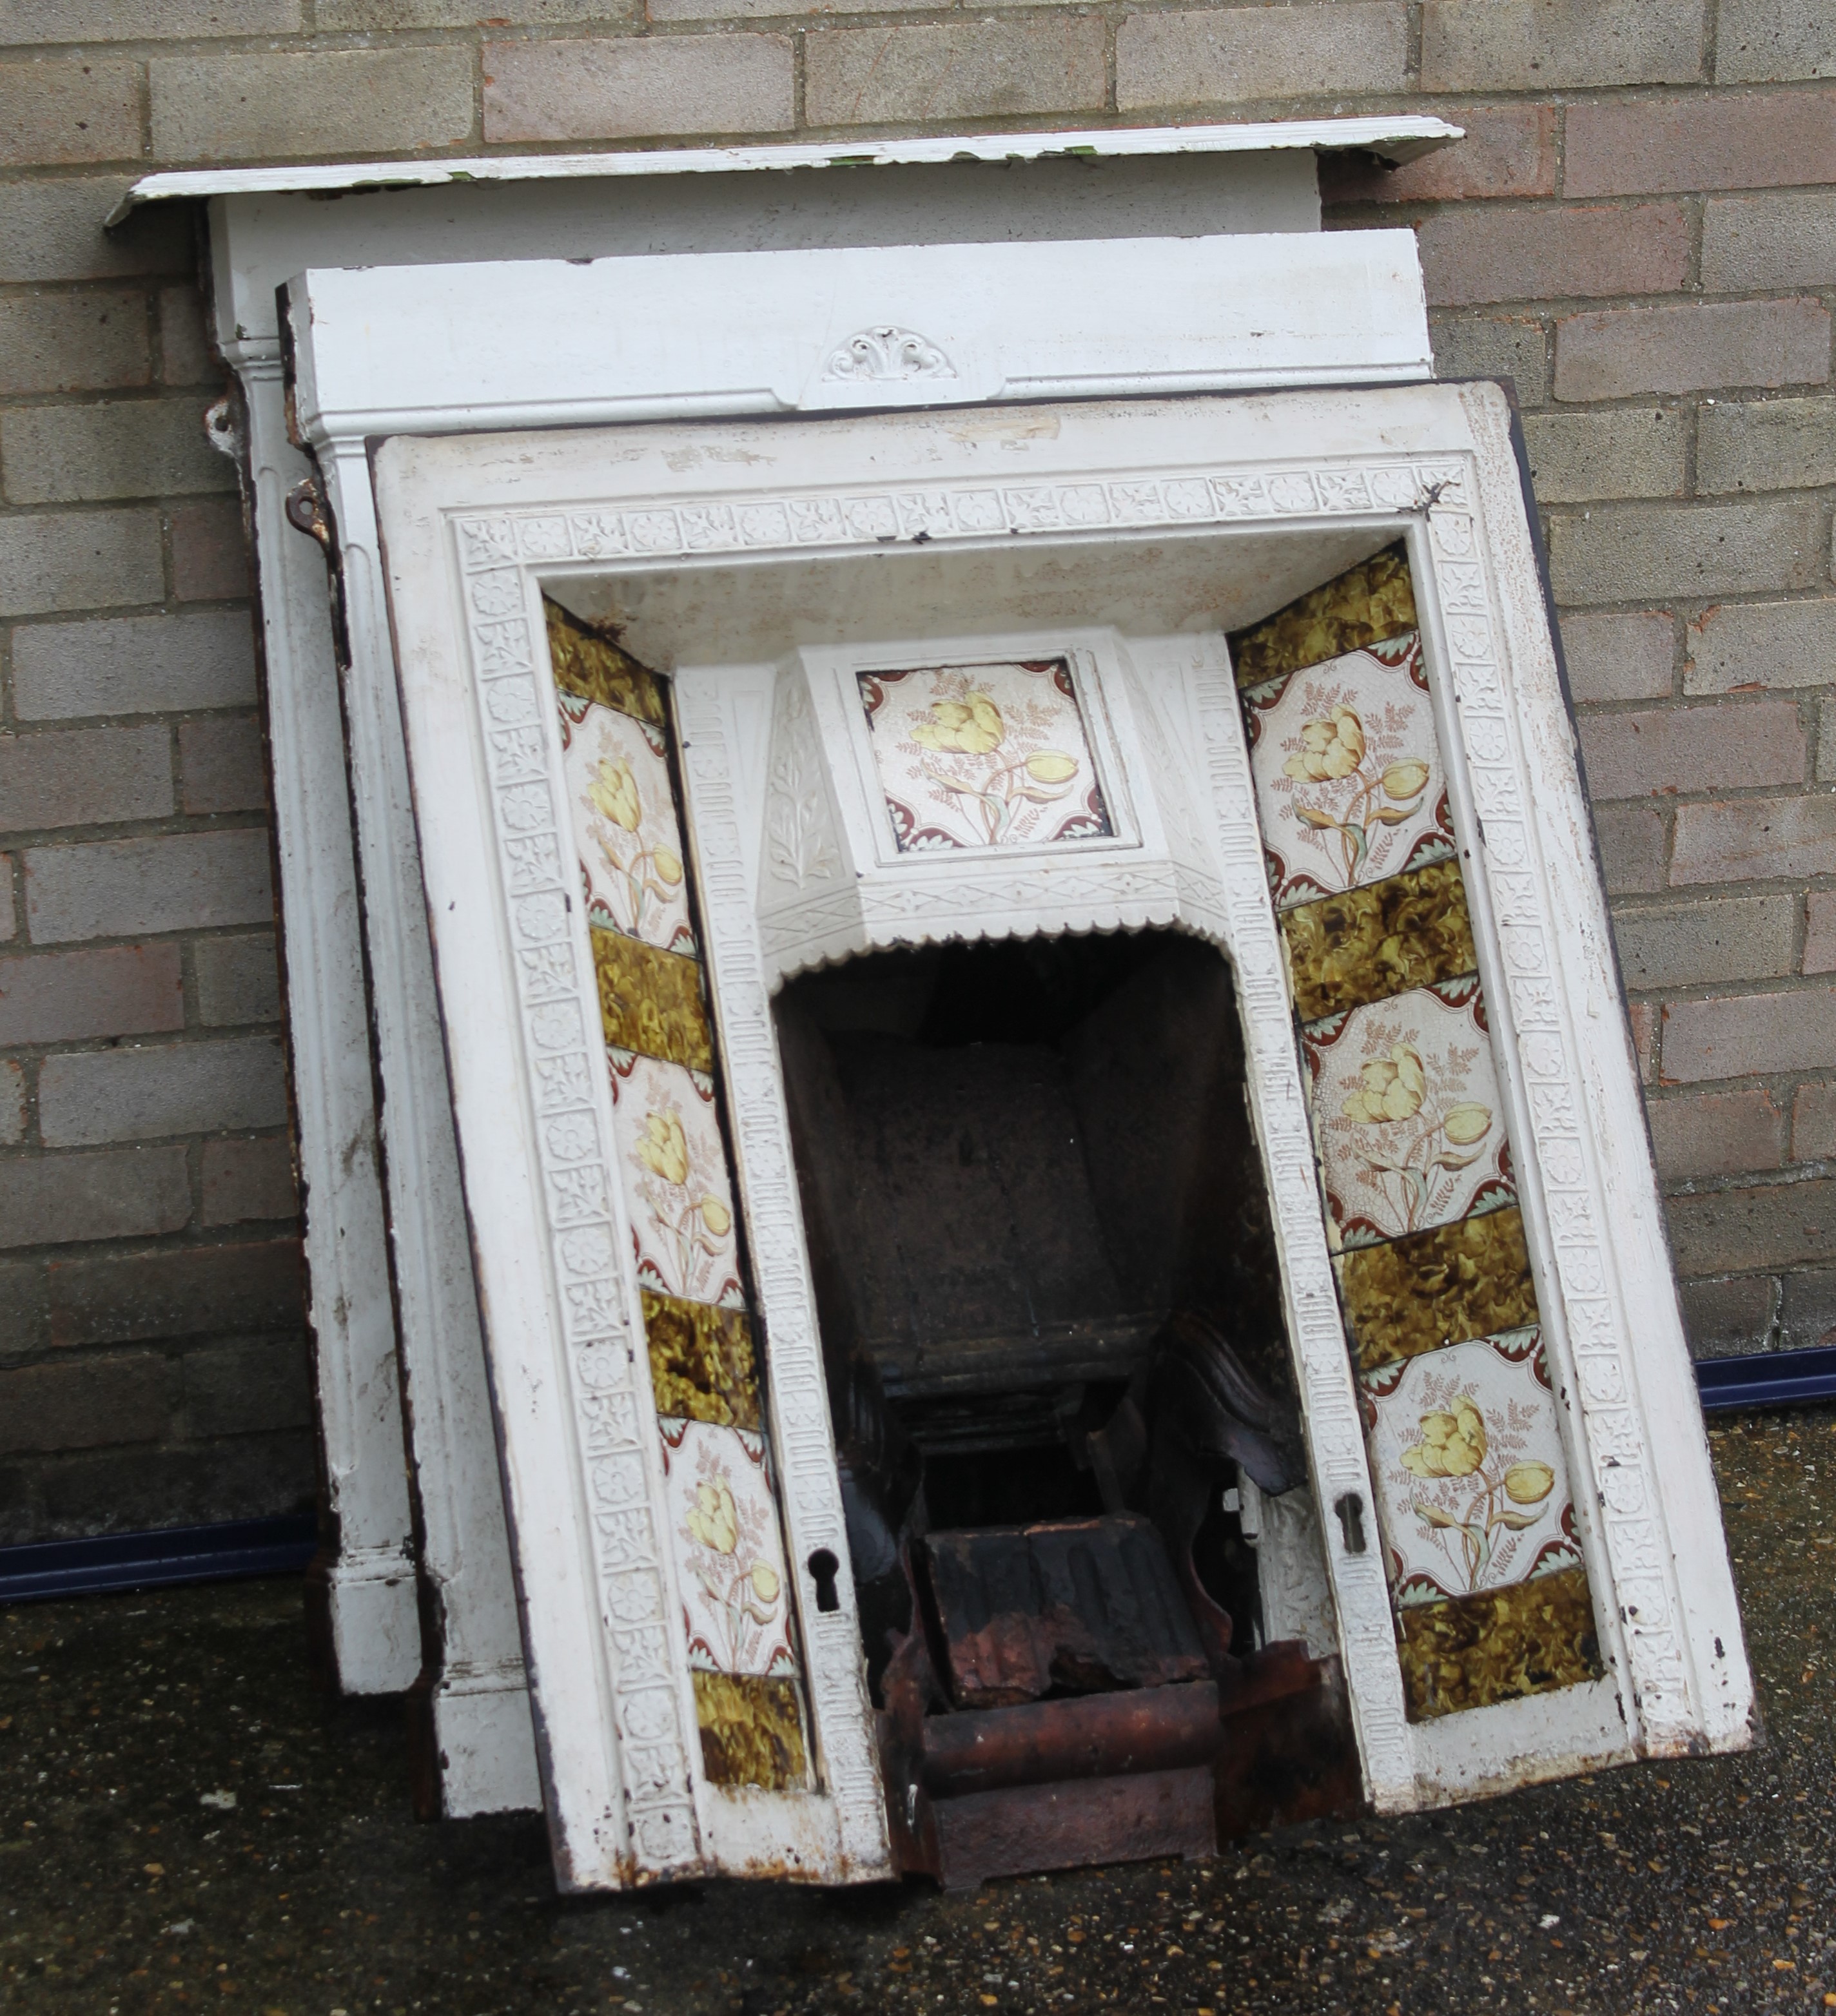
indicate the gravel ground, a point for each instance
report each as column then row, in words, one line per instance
column 184, row 1825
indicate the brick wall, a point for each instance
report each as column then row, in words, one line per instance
column 1640, row 230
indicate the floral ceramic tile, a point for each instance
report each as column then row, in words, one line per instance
column 625, row 825
column 729, row 1555
column 1465, row 1451
column 673, row 1163
column 1366, row 605
column 650, row 1001
column 1442, row 1287
column 1408, row 1118
column 1349, row 781
column 751, row 1730
column 703, row 1367
column 1475, row 1650
column 1408, row 930
column 591, row 666
column 977, row 756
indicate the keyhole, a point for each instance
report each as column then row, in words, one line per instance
column 1350, row 1511
column 823, row 1566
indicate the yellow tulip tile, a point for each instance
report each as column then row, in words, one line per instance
column 729, row 1557
column 1369, row 604
column 1475, row 1650
column 1350, row 786
column 623, row 807
column 980, row 756
column 703, row 1367
column 1406, row 1296
column 672, row 1161
column 1408, row 930
column 1466, row 1459
column 1408, row 1118
column 651, row 1001
column 591, row 666
column 751, row 1731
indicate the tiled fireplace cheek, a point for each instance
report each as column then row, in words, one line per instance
column 1474, row 1506
column 720, row 1503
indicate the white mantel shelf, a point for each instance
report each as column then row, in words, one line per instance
column 1396, row 137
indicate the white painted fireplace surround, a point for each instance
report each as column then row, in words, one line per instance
column 1133, row 525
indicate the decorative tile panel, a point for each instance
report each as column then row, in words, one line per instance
column 623, row 809
column 1480, row 1650
column 1466, row 1457
column 703, row 1361
column 651, row 1001
column 1368, row 943
column 1349, row 778
column 1408, row 1114
column 591, row 666
column 1368, row 605
column 751, row 1730
column 723, row 1520
column 982, row 756
column 671, row 1150
column 673, row 1163
column 1441, row 1286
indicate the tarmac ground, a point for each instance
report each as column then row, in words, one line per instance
column 185, row 1825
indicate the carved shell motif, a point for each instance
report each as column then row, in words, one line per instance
column 886, row 352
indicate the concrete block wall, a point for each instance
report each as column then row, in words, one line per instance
column 1640, row 230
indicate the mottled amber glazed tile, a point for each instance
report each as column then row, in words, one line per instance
column 1364, row 606
column 703, row 1367
column 751, row 1731
column 593, row 667
column 1365, row 945
column 1498, row 1646
column 1434, row 1288
column 650, row 1001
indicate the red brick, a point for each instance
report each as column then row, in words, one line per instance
column 222, row 765
column 1742, row 1035
column 12, row 1103
column 1729, row 748
column 1708, row 140
column 246, row 1180
column 1644, row 1021
column 1773, row 1224
column 1813, row 1123
column 120, row 1193
column 86, row 110
column 1617, row 353
column 1617, row 658
column 210, row 552
column 1820, row 932
column 67, row 997
column 90, row 1403
column 84, row 776
column 1749, row 839
column 1633, row 841
column 188, row 1292
column 1533, row 255
column 1717, row 1134
column 1508, row 150
column 240, row 1389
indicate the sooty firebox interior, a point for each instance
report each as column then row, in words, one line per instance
column 1018, row 1158
column 1050, row 1303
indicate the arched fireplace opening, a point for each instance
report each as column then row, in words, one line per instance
column 1020, row 1159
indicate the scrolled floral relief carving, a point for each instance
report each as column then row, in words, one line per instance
column 885, row 353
